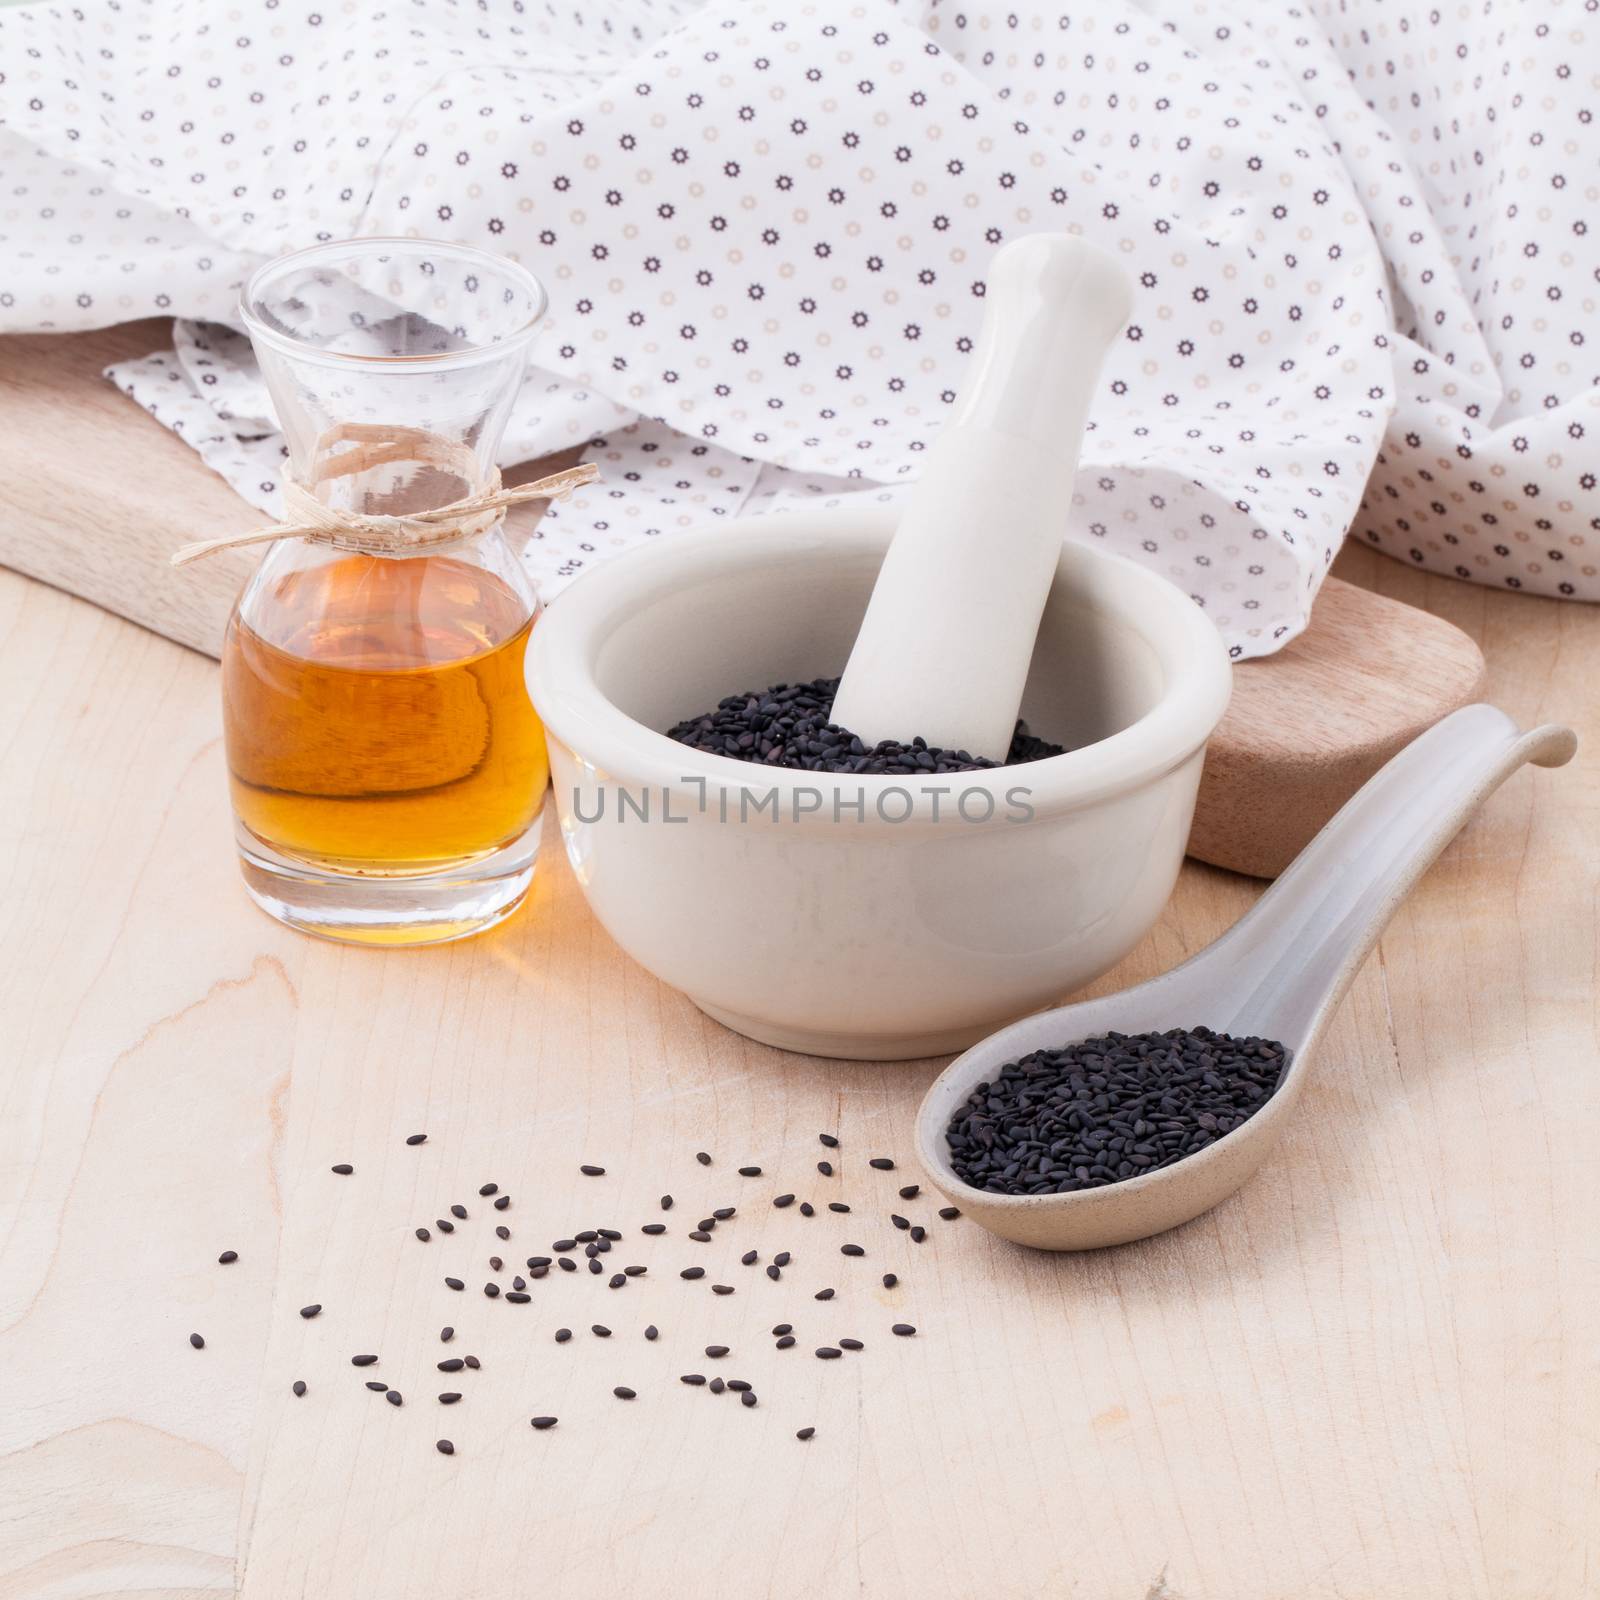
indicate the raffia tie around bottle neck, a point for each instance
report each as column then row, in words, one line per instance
column 374, row 445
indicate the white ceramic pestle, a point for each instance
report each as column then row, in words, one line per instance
column 948, row 635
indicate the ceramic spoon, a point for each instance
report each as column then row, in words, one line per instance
column 1278, row 973
column 948, row 635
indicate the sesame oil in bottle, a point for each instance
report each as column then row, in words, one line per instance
column 376, row 717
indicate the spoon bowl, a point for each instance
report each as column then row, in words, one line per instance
column 1278, row 973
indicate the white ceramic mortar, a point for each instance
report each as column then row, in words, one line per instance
column 873, row 939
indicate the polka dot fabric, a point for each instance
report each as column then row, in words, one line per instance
column 1357, row 233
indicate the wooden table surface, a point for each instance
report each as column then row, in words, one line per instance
column 1374, row 1372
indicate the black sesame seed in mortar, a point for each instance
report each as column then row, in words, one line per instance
column 787, row 726
column 1109, row 1109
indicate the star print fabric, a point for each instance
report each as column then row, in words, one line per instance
column 1356, row 232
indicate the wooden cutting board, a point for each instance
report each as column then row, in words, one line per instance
column 95, row 495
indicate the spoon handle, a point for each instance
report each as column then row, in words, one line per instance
column 1297, row 950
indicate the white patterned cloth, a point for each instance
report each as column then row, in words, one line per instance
column 1358, row 230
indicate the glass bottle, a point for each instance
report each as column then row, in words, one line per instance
column 386, row 765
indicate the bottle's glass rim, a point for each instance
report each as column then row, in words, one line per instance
column 341, row 250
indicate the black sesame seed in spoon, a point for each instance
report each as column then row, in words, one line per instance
column 1109, row 1108
column 451, row 1364
column 502, row 1202
column 299, row 1386
column 449, row 1397
column 541, row 1423
column 377, row 1385
column 592, row 1171
column 363, row 1361
column 459, row 1212
column 703, row 1158
column 197, row 1341
column 424, row 1235
column 782, row 1200
column 622, row 1392
column 904, row 1329
column 308, row 1312
column 693, row 1379
column 416, row 1138
column 851, row 1250
column 911, row 1191
column 344, row 1169
column 445, row 1448
column 829, row 1140
column 806, row 1433
column 227, row 1258
column 881, row 1163
column 749, row 1172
